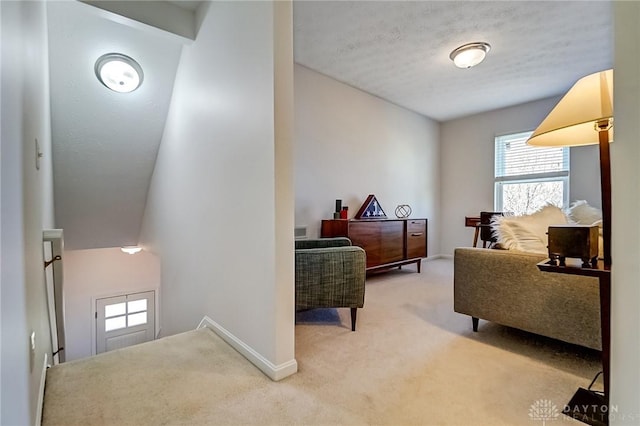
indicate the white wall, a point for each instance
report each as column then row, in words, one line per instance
column 283, row 297
column 211, row 213
column 91, row 274
column 625, row 169
column 349, row 144
column 26, row 208
column 467, row 162
column 585, row 175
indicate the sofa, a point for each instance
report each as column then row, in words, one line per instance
column 506, row 287
column 330, row 273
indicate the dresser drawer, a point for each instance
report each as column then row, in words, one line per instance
column 416, row 238
column 416, row 225
column 416, row 245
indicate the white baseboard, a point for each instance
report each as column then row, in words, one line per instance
column 43, row 377
column 274, row 372
column 440, row 256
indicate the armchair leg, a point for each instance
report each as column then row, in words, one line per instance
column 475, row 321
column 354, row 312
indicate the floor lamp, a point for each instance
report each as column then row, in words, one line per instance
column 584, row 116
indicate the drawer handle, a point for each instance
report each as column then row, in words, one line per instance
column 416, row 234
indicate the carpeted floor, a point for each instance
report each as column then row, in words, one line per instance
column 412, row 361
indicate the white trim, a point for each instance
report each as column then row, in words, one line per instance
column 537, row 177
column 274, row 372
column 43, row 376
column 181, row 26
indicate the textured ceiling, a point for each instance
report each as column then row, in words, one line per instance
column 104, row 143
column 399, row 51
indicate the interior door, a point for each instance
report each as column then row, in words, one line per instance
column 124, row 320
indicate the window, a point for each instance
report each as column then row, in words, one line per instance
column 528, row 177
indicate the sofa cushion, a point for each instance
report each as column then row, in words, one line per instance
column 527, row 233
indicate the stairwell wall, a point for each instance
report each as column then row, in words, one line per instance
column 95, row 273
column 26, row 209
column 225, row 244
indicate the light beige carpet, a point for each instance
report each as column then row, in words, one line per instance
column 412, row 361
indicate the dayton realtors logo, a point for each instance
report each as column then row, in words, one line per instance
column 544, row 410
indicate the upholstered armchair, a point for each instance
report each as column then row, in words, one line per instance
column 330, row 273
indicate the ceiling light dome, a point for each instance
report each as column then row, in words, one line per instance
column 119, row 72
column 470, row 54
column 131, row 249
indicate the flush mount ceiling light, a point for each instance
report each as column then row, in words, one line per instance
column 470, row 54
column 119, row 72
column 131, row 249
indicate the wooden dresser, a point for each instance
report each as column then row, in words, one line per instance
column 387, row 242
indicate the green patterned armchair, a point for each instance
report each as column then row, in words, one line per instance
column 330, row 273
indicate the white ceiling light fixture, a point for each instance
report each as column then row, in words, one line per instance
column 119, row 72
column 131, row 249
column 470, row 54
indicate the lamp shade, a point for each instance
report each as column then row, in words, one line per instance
column 573, row 120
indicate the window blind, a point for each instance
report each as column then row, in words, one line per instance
column 515, row 159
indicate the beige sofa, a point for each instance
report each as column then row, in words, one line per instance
column 506, row 287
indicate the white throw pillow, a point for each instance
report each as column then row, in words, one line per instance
column 582, row 213
column 529, row 232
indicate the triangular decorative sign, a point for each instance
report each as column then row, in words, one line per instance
column 371, row 209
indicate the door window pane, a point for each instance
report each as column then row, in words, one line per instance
column 137, row 319
column 115, row 309
column 137, row 305
column 116, row 323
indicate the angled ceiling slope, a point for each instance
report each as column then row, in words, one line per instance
column 104, row 143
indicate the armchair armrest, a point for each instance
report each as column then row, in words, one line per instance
column 322, row 243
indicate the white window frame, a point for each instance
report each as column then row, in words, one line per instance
column 499, row 181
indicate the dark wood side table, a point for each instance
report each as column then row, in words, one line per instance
column 473, row 222
column 483, row 230
column 587, row 406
